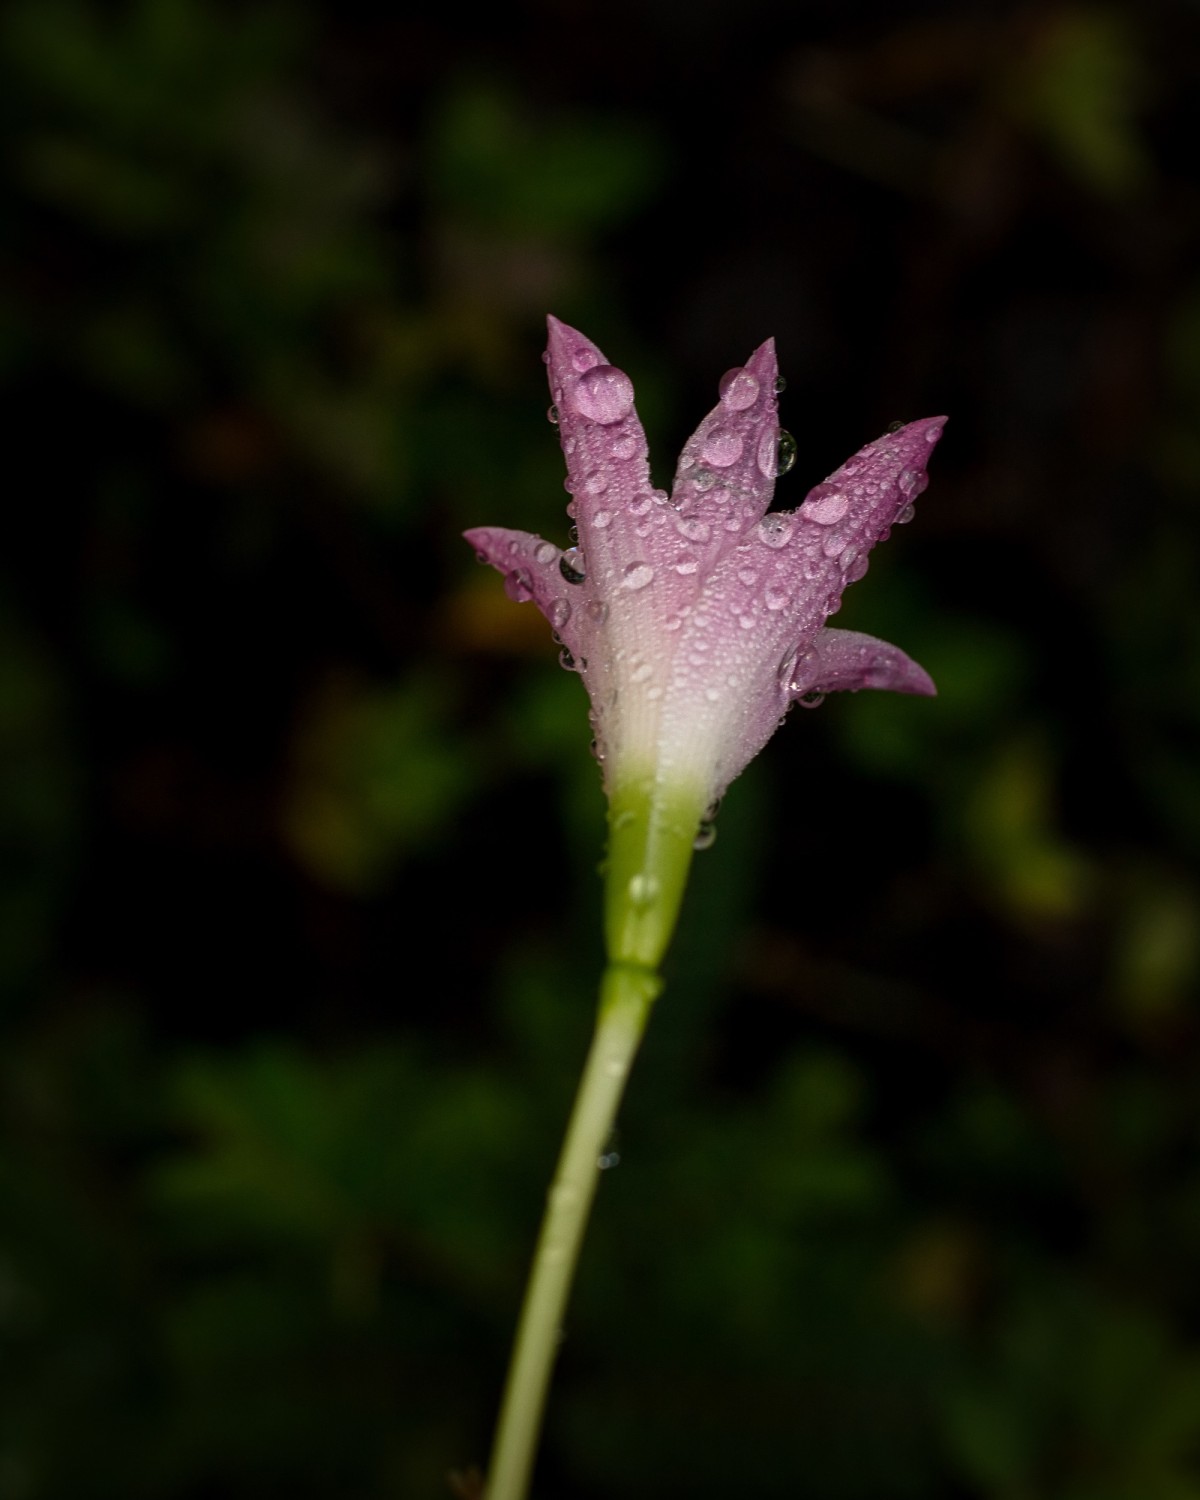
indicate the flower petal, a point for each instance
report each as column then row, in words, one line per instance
column 766, row 599
column 846, row 661
column 532, row 569
column 727, row 470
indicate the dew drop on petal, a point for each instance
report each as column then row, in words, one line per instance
column 687, row 566
column 747, row 577
column 559, row 613
column 775, row 529
column 565, row 659
column 906, row 514
column 596, row 482
column 780, row 385
column 584, row 358
column 825, row 506
column 637, row 575
column 640, row 504
column 776, row 598
column 785, row 453
column 597, row 611
column 641, row 671
column 545, row 552
column 722, row 447
column 812, row 699
column 895, row 426
column 858, row 568
column 552, row 415
column 601, row 519
column 912, row 482
column 572, row 566
column 738, row 389
column 693, row 529
column 517, row 586
column 604, row 394
column 624, row 447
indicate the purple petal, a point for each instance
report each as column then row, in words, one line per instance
column 533, row 569
column 767, row 598
column 846, row 661
column 727, row 470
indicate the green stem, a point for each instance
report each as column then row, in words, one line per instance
column 626, row 995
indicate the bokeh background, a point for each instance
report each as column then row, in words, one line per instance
column 299, row 829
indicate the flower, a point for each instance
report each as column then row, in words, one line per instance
column 697, row 619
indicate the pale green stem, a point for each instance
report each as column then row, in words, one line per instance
column 626, row 995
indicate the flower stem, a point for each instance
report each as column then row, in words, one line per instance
column 627, row 992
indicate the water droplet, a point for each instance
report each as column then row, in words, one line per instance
column 811, row 699
column 747, row 577
column 559, row 613
column 695, row 531
column 546, row 552
column 858, row 568
column 780, row 385
column 643, row 889
column 552, row 415
column 585, row 357
column 703, row 480
column 637, row 575
column 722, row 447
column 738, row 389
column 785, row 454
column 568, row 446
column 905, row 515
column 565, row 659
column 834, row 544
column 572, row 565
column 825, row 506
column 607, row 1160
column 601, row 519
column 518, row 586
column 775, row 530
column 934, row 431
column 625, row 446
column 687, row 566
column 596, row 482
column 706, row 834
column 640, row 504
column 597, row 610
column 604, row 394
column 895, row 426
column 641, row 671
column 912, row 482
column 776, row 598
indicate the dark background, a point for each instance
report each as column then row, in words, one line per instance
column 298, row 828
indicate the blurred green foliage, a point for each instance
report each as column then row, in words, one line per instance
column 298, row 833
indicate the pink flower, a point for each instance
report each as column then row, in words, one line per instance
column 697, row 619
